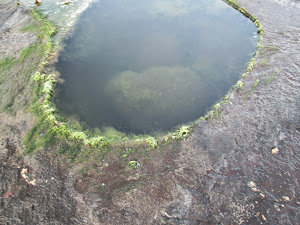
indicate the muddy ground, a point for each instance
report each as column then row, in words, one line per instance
column 223, row 173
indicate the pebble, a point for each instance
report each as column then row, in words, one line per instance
column 262, row 195
column 275, row 151
column 285, row 198
column 251, row 184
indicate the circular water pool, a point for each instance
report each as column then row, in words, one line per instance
column 146, row 66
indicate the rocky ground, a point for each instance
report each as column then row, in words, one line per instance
column 241, row 169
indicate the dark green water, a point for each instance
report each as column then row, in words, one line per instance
column 143, row 66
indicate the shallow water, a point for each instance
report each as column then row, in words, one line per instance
column 147, row 66
column 63, row 15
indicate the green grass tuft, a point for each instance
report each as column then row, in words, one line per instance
column 134, row 165
column 239, row 85
column 254, row 86
column 182, row 133
column 272, row 77
column 152, row 142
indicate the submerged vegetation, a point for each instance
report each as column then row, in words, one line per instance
column 51, row 127
column 150, row 96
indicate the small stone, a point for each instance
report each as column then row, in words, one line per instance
column 275, row 151
column 262, row 195
column 285, row 198
column 277, row 208
column 251, row 184
column 254, row 189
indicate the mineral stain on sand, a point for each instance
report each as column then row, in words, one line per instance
column 148, row 66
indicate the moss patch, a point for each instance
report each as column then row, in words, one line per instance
column 16, row 85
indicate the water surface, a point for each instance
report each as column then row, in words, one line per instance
column 143, row 66
column 63, row 15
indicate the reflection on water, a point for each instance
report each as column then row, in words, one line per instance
column 142, row 66
column 63, row 15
